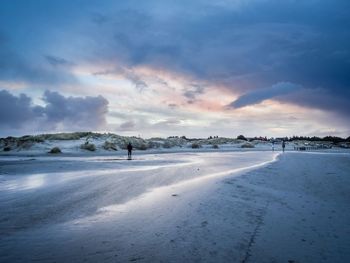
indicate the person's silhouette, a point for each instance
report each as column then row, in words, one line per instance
column 283, row 145
column 129, row 150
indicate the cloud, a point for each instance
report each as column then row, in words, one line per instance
column 98, row 18
column 57, row 61
column 16, row 67
column 83, row 112
column 192, row 92
column 172, row 105
column 320, row 98
column 239, row 46
column 16, row 111
column 139, row 83
column 169, row 123
column 259, row 95
column 141, row 124
column 317, row 98
column 59, row 112
column 127, row 126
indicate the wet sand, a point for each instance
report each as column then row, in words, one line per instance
column 293, row 210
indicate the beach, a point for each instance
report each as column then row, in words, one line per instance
column 176, row 207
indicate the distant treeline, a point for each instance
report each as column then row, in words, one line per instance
column 333, row 139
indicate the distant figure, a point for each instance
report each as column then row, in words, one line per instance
column 283, row 145
column 129, row 150
column 273, row 146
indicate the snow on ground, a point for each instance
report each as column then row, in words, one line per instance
column 176, row 207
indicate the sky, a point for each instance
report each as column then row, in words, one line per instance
column 154, row 68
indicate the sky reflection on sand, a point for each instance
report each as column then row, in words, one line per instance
column 158, row 195
column 33, row 181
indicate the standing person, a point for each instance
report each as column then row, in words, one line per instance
column 283, row 145
column 129, row 150
column 273, row 145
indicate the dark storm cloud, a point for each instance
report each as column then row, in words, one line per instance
column 243, row 45
column 259, row 95
column 59, row 111
column 247, row 48
column 292, row 93
column 319, row 98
